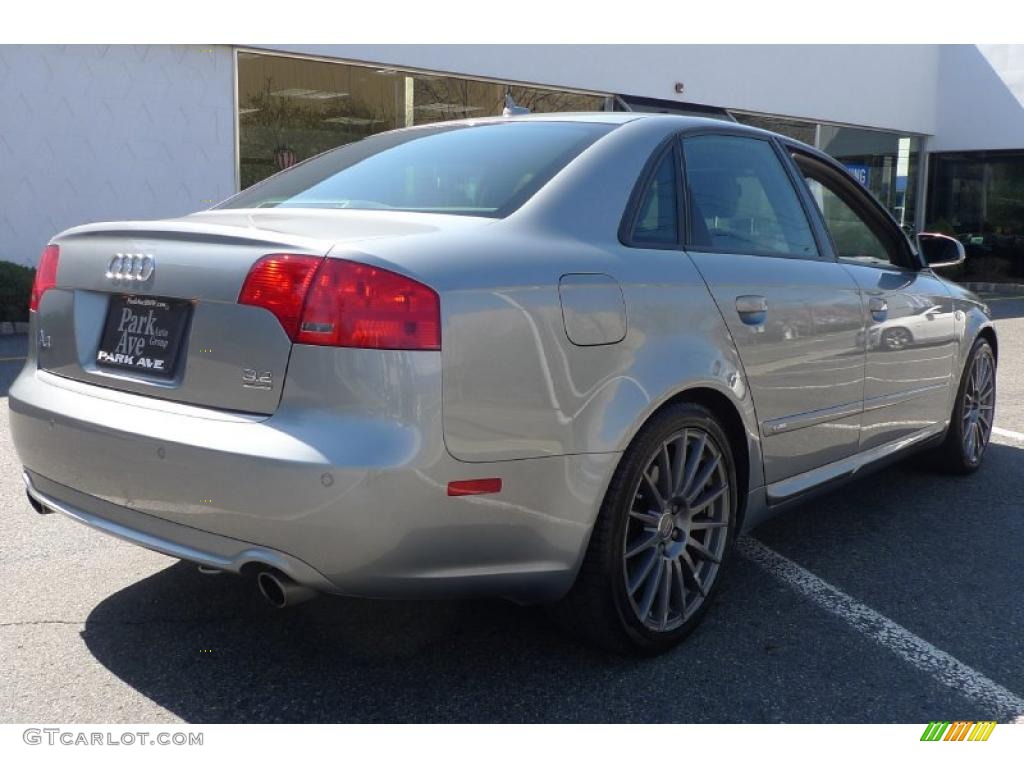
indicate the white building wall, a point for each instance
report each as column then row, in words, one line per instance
column 883, row 86
column 92, row 133
column 980, row 99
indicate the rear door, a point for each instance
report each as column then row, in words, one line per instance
column 794, row 313
column 911, row 326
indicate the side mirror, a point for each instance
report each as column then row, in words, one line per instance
column 940, row 250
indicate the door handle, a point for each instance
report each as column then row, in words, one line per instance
column 879, row 309
column 753, row 310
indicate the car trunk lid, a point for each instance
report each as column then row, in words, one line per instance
column 151, row 308
column 230, row 355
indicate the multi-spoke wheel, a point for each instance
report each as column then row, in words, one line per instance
column 677, row 530
column 973, row 413
column 662, row 536
column 979, row 406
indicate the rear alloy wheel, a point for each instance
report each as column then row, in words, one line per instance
column 662, row 536
column 677, row 530
column 973, row 414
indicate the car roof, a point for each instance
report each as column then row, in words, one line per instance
column 671, row 122
column 611, row 118
column 668, row 122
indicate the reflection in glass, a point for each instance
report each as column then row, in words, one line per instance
column 740, row 199
column 884, row 162
column 487, row 170
column 801, row 130
column 290, row 109
column 851, row 236
column 978, row 197
column 657, row 220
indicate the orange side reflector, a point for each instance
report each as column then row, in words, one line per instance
column 474, row 487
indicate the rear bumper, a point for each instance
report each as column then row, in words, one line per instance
column 343, row 488
column 169, row 538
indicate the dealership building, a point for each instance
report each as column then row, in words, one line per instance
column 91, row 133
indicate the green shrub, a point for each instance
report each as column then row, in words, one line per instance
column 15, row 287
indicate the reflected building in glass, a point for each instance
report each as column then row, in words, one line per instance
column 979, row 198
column 292, row 108
column 886, row 162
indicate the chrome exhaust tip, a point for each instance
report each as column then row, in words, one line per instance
column 37, row 506
column 281, row 591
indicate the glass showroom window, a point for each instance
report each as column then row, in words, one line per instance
column 801, row 130
column 884, row 162
column 979, row 198
column 290, row 109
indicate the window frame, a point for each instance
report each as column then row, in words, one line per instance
column 859, row 200
column 630, row 217
column 824, row 252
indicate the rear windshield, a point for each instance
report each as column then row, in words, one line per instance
column 483, row 170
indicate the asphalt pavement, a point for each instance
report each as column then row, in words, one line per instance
column 96, row 630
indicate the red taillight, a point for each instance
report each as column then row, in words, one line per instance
column 46, row 275
column 356, row 305
column 474, row 487
column 279, row 282
column 336, row 303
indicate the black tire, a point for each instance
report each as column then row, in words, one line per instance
column 953, row 455
column 599, row 608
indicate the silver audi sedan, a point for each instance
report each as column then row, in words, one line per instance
column 560, row 359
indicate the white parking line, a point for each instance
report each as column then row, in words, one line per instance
column 998, row 701
column 1008, row 433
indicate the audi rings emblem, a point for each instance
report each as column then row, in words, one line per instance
column 138, row 267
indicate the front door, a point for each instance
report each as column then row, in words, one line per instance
column 795, row 314
column 911, row 330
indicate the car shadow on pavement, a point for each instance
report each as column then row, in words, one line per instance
column 909, row 543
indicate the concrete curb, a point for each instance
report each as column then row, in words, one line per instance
column 9, row 329
column 1011, row 288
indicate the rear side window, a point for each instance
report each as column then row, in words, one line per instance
column 483, row 170
column 741, row 200
column 657, row 218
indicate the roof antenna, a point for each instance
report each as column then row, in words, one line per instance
column 511, row 108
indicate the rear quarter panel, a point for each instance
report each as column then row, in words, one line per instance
column 514, row 385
